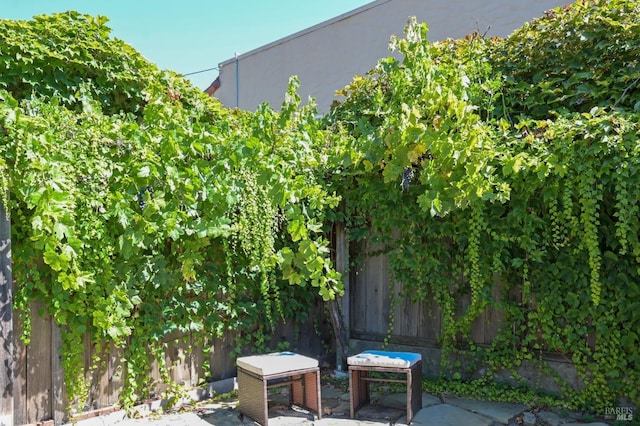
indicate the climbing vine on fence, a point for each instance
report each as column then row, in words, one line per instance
column 141, row 208
column 502, row 171
column 506, row 171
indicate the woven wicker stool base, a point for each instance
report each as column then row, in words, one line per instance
column 258, row 373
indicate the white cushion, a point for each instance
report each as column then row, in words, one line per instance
column 276, row 363
column 384, row 359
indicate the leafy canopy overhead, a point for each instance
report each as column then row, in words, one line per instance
column 65, row 54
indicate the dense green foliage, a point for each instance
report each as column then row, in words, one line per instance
column 139, row 207
column 508, row 171
column 55, row 56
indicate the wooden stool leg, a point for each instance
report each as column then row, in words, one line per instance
column 359, row 390
column 305, row 391
column 312, row 392
column 252, row 397
column 364, row 389
column 414, row 390
column 354, row 393
column 297, row 391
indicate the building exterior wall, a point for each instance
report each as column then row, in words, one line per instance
column 325, row 57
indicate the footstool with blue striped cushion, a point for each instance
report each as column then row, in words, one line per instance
column 407, row 365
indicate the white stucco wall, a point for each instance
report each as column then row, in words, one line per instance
column 325, row 57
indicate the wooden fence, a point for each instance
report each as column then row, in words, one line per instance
column 33, row 378
column 377, row 311
column 39, row 393
column 38, row 386
column 375, row 299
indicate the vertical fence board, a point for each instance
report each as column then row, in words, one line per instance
column 39, row 366
column 104, row 394
column 359, row 297
column 98, row 373
column 478, row 328
column 342, row 266
column 178, row 360
column 403, row 312
column 90, row 375
column 59, row 402
column 195, row 361
column 381, row 293
column 364, row 298
column 6, row 322
column 20, row 375
column 222, row 364
column 430, row 324
column 495, row 316
column 154, row 378
column 114, row 376
column 374, row 285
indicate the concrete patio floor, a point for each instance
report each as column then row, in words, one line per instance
column 387, row 409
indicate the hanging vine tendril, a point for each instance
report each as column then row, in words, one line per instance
column 253, row 237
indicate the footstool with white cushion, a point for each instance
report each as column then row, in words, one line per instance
column 257, row 373
column 408, row 365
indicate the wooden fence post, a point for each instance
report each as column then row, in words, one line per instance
column 339, row 309
column 6, row 321
column 57, row 376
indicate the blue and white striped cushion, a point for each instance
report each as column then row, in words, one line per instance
column 384, row 359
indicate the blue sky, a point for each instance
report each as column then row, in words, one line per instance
column 192, row 35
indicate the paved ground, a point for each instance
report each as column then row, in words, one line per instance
column 384, row 410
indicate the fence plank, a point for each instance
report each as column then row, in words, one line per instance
column 103, row 388
column 59, row 403
column 373, row 285
column 195, row 361
column 430, row 326
column 20, row 375
column 370, row 294
column 407, row 314
column 359, row 298
column 220, row 359
column 114, row 376
column 6, row 321
column 341, row 313
column 178, row 360
column 495, row 316
column 381, row 293
column 97, row 373
column 479, row 328
column 89, row 375
column 39, row 366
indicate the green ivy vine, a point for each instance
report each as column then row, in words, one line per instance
column 507, row 172
column 142, row 210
